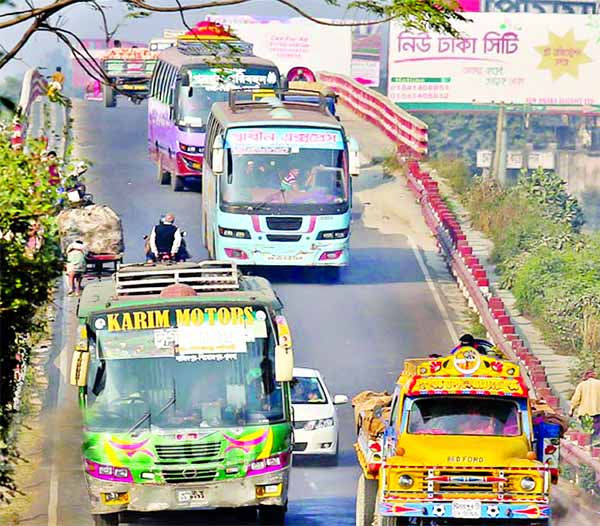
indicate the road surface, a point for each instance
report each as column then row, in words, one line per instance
column 356, row 332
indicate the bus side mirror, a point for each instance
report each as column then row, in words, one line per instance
column 284, row 363
column 79, row 368
column 218, row 156
column 353, row 157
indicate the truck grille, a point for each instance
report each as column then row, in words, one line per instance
column 284, row 223
column 466, row 481
column 207, row 451
column 189, row 474
column 283, row 238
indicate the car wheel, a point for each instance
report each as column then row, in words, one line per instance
column 366, row 496
column 272, row 514
column 176, row 183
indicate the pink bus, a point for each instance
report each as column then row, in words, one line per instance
column 187, row 81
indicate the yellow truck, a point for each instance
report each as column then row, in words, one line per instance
column 455, row 441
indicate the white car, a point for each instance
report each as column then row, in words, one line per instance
column 315, row 418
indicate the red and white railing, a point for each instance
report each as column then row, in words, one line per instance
column 408, row 132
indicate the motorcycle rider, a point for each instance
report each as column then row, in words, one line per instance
column 165, row 238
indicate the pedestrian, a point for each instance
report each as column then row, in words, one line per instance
column 53, row 172
column 58, row 77
column 586, row 401
column 76, row 265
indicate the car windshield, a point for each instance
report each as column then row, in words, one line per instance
column 170, row 390
column 285, row 171
column 204, row 86
column 307, row 390
column 457, row 415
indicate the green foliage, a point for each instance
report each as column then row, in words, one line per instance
column 552, row 269
column 30, row 260
column 454, row 170
column 549, row 190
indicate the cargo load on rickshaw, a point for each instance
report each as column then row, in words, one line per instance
column 100, row 229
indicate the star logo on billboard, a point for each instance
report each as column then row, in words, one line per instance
column 563, row 55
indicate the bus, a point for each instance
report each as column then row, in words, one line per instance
column 276, row 185
column 183, row 373
column 189, row 77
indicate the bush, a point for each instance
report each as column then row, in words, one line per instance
column 455, row 171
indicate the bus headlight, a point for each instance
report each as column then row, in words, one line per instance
column 232, row 232
column 405, row 481
column 190, row 148
column 528, row 483
column 334, row 234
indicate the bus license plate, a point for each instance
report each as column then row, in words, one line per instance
column 466, row 509
column 191, row 496
column 285, row 258
column 133, row 86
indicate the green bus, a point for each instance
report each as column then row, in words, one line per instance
column 183, row 373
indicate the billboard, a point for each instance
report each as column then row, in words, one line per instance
column 517, row 58
column 367, row 50
column 291, row 42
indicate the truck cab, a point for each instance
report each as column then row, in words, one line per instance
column 459, row 443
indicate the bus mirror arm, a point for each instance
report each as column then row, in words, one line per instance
column 353, row 157
column 218, row 155
column 284, row 363
column 79, row 368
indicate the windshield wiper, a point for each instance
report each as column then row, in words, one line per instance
column 170, row 401
column 146, row 416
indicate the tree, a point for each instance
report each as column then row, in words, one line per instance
column 424, row 15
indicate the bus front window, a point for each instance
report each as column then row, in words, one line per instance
column 300, row 180
column 194, row 104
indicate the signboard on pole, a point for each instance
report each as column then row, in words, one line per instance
column 291, row 42
column 517, row 58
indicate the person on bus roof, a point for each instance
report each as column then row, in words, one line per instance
column 164, row 239
column 466, row 340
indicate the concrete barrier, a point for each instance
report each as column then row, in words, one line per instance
column 408, row 132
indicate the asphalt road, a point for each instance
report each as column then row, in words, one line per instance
column 356, row 332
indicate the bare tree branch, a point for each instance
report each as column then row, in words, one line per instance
column 47, row 10
column 9, row 55
column 107, row 32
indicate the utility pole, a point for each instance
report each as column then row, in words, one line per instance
column 499, row 166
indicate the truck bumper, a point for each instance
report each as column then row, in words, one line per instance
column 159, row 497
column 489, row 510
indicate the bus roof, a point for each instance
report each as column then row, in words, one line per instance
column 178, row 59
column 104, row 295
column 263, row 115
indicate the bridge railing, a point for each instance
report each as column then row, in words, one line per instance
column 408, row 132
column 34, row 85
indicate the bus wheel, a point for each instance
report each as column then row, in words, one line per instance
column 106, row 519
column 366, row 495
column 271, row 514
column 108, row 95
column 176, row 183
column 161, row 174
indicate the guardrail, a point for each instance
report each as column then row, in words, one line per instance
column 408, row 132
column 34, row 86
column 474, row 283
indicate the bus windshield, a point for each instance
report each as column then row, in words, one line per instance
column 284, row 170
column 164, row 390
column 437, row 415
column 201, row 87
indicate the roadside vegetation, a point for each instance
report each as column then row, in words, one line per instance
column 552, row 268
column 30, row 260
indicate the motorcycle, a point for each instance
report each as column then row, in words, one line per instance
column 166, row 257
column 75, row 190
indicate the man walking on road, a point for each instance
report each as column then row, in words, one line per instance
column 586, row 400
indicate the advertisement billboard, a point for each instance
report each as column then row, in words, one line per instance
column 291, row 42
column 367, row 51
column 519, row 58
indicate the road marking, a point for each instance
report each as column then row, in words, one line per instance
column 434, row 290
column 62, row 366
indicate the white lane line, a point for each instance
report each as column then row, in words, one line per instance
column 434, row 290
column 54, row 474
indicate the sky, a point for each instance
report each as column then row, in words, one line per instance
column 44, row 49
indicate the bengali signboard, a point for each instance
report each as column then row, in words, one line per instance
column 517, row 58
column 291, row 42
column 367, row 50
column 570, row 7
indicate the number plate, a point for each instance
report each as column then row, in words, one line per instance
column 133, row 86
column 284, row 258
column 466, row 509
column 191, row 496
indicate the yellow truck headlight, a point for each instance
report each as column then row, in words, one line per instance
column 528, row 483
column 405, row 481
